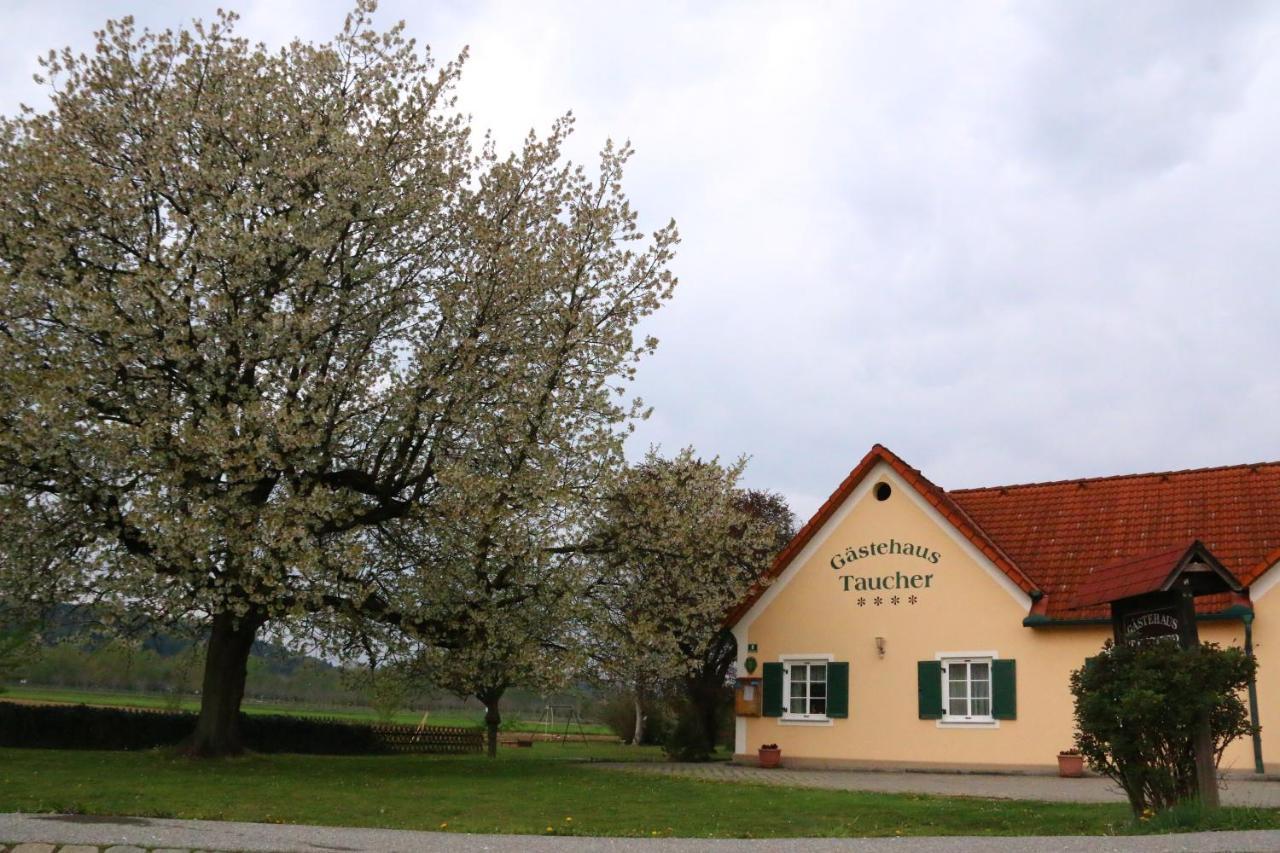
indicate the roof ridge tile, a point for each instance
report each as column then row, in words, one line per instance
column 1251, row 466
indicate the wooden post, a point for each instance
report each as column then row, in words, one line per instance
column 1206, row 773
column 1202, row 743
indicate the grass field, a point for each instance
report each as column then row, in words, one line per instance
column 361, row 715
column 548, row 789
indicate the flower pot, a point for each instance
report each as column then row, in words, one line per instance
column 770, row 757
column 1070, row 765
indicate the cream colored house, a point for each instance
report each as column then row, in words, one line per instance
column 910, row 626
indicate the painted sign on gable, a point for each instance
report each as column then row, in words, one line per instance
column 864, row 571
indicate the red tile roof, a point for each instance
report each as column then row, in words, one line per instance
column 1048, row 537
column 1058, row 532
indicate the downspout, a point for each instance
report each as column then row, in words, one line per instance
column 1258, row 766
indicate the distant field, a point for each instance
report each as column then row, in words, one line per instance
column 359, row 715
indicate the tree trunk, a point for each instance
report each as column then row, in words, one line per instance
column 700, row 708
column 638, row 738
column 225, row 667
column 492, row 719
column 705, row 687
column 710, row 698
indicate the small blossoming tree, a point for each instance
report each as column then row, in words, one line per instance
column 506, row 574
column 681, row 544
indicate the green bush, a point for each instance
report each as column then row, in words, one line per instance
column 17, row 648
column 687, row 739
column 701, row 727
column 1137, row 707
column 618, row 712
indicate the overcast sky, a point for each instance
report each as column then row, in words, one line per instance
column 1012, row 242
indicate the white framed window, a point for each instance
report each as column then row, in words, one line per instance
column 966, row 690
column 804, row 689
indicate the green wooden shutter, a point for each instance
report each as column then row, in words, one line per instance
column 929, row 688
column 837, row 690
column 1004, row 689
column 772, row 690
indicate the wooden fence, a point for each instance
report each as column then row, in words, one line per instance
column 436, row 740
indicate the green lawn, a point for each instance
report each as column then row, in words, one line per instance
column 361, row 715
column 546, row 789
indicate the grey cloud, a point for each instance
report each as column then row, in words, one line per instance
column 1012, row 242
column 1124, row 91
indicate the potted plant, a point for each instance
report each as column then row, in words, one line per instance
column 1070, row 764
column 770, row 755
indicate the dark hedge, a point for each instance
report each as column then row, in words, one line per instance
column 85, row 727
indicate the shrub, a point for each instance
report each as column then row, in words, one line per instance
column 17, row 647
column 702, row 725
column 618, row 712
column 687, row 740
column 1137, row 707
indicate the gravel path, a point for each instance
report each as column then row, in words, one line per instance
column 90, row 835
column 1236, row 790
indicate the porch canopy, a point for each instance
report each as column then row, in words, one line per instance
column 1187, row 568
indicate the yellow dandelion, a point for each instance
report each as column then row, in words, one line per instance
column 444, row 825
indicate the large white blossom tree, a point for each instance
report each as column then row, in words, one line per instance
column 263, row 311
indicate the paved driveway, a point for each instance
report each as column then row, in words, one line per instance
column 1236, row 790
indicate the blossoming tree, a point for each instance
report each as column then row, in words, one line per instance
column 680, row 544
column 260, row 310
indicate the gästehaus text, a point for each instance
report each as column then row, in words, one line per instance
column 882, row 549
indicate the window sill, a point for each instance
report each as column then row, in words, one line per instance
column 969, row 724
column 801, row 721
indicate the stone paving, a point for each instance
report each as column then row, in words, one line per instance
column 157, row 835
column 1235, row 791
column 38, row 847
column 88, row 834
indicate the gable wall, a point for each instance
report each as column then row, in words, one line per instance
column 1266, row 647
column 1239, row 755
